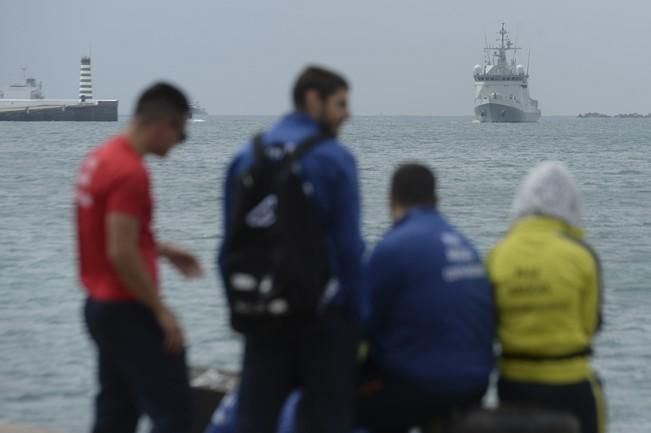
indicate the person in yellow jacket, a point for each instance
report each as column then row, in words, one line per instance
column 547, row 288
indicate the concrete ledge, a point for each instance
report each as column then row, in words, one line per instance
column 15, row 428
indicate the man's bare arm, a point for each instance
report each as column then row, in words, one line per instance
column 122, row 233
column 184, row 261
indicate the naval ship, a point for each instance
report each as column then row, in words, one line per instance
column 25, row 102
column 502, row 92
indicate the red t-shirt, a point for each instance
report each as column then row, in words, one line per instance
column 112, row 179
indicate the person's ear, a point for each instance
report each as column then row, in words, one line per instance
column 312, row 101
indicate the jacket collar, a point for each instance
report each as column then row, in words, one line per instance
column 299, row 118
column 541, row 223
column 415, row 212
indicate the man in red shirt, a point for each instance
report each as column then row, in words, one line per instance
column 142, row 368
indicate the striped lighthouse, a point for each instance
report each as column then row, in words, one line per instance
column 85, row 80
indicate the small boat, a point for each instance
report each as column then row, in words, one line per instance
column 197, row 111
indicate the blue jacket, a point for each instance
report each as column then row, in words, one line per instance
column 431, row 308
column 331, row 169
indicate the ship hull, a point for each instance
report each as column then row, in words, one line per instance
column 100, row 111
column 493, row 112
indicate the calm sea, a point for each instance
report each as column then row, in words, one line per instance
column 47, row 363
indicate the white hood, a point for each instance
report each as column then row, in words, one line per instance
column 549, row 189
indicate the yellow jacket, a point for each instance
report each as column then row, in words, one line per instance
column 547, row 287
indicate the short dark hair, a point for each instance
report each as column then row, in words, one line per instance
column 160, row 100
column 413, row 184
column 324, row 81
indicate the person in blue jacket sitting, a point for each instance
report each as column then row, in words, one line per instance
column 431, row 326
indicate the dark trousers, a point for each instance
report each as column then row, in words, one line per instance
column 389, row 404
column 318, row 357
column 136, row 374
column 584, row 400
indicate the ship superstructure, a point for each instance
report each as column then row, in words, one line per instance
column 502, row 86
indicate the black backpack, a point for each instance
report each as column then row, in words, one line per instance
column 275, row 266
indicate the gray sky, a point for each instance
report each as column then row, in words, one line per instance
column 401, row 56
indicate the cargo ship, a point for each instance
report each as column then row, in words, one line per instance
column 25, row 102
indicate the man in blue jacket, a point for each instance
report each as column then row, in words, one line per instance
column 319, row 356
column 431, row 327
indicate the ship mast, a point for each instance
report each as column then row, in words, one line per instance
column 505, row 45
column 502, row 55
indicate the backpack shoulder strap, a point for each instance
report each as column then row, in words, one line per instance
column 307, row 144
column 258, row 149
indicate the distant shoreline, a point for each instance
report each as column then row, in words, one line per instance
column 617, row 116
